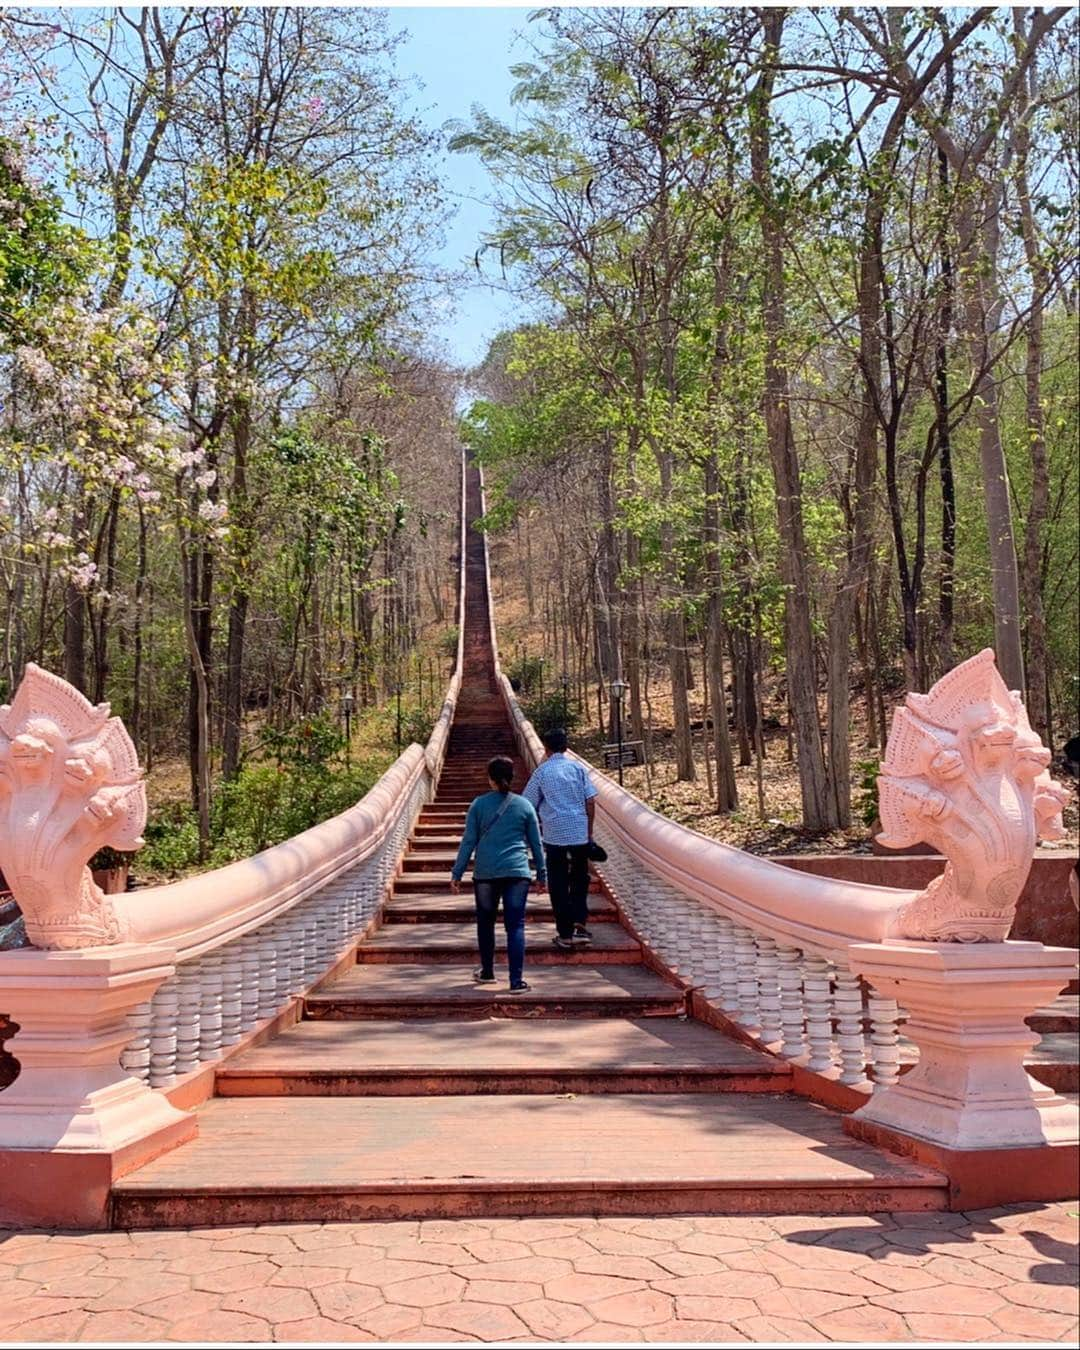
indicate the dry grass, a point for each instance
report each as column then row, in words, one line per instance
column 777, row 828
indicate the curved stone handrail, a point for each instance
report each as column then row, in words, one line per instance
column 824, row 916
column 196, row 914
column 435, row 752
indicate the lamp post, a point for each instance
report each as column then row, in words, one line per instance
column 564, row 680
column 540, row 668
column 348, row 703
column 396, row 690
column 618, row 689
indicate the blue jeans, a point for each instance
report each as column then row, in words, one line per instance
column 514, row 893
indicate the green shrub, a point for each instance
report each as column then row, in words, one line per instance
column 416, row 725
column 526, row 673
column 550, row 711
column 172, row 844
column 866, row 800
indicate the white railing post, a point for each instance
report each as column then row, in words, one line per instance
column 792, row 1013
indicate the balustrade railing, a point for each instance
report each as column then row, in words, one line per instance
column 120, row 1001
column 824, row 972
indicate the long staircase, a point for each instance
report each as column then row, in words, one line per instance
column 406, row 1090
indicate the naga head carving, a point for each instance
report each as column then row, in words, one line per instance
column 965, row 773
column 70, row 784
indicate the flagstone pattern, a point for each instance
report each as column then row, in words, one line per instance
column 1001, row 1275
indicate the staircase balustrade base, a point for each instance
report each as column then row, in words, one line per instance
column 967, row 1004
column 68, row 1190
column 979, row 1178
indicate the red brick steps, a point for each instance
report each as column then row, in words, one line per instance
column 433, row 1058
column 265, row 1160
column 434, row 990
column 407, row 1090
column 456, row 942
column 447, row 908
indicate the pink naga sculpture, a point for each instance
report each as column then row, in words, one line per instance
column 70, row 783
column 964, row 772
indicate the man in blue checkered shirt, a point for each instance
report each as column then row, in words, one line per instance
column 563, row 794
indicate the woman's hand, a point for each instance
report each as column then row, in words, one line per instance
column 455, row 887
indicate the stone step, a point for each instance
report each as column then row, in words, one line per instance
column 305, row 1159
column 430, row 907
column 507, row 1055
column 1061, row 1015
column 454, row 943
column 430, row 990
column 418, row 882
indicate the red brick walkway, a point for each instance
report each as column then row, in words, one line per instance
column 995, row 1275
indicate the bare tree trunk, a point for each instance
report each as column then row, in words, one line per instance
column 1035, row 617
column 817, row 800
column 75, row 606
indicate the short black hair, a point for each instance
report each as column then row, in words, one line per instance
column 556, row 740
column 501, row 771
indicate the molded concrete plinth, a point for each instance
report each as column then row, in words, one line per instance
column 981, row 1177
column 73, row 1119
column 966, row 1005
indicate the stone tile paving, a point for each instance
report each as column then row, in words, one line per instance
column 1006, row 1275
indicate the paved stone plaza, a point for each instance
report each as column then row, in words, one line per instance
column 993, row 1275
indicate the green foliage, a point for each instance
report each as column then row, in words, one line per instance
column 526, row 673
column 309, row 743
column 865, row 802
column 41, row 257
column 416, row 726
column 551, row 710
column 265, row 804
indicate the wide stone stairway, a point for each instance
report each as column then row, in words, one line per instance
column 406, row 1090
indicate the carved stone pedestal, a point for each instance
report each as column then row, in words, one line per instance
column 966, row 1005
column 73, row 1119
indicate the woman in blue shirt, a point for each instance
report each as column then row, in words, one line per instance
column 501, row 829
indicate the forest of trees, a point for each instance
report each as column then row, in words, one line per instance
column 794, row 412
column 788, row 423
column 228, row 462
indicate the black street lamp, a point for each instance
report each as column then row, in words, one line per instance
column 540, row 668
column 618, row 690
column 564, row 680
column 348, row 703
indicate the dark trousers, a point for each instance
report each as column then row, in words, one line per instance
column 568, row 882
column 514, row 893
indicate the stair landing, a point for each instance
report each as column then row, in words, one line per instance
column 294, row 1160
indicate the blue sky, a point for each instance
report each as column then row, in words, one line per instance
column 463, row 57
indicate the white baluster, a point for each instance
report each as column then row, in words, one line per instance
column 884, row 1040
column 251, row 980
column 210, row 1014
column 232, row 981
column 746, row 966
column 296, row 953
column 729, row 967
column 285, row 947
column 849, row 1026
column 270, row 971
column 768, row 967
column 791, row 1002
column 711, row 963
column 817, row 997
column 187, row 1019
column 311, row 965
column 135, row 1057
column 324, row 932
column 164, row 1014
